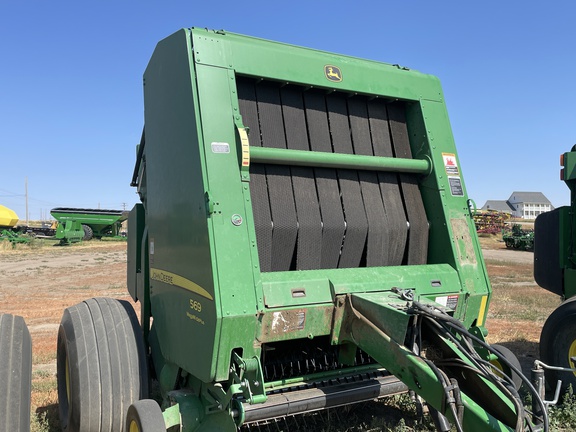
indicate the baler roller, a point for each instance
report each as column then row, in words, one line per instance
column 333, row 394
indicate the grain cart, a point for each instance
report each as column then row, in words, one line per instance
column 555, row 270
column 304, row 241
column 84, row 224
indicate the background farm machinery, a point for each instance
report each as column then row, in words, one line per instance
column 555, row 270
column 490, row 221
column 518, row 238
column 304, row 241
column 9, row 230
column 71, row 225
column 75, row 224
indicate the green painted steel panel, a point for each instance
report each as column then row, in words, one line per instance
column 134, row 265
column 178, row 229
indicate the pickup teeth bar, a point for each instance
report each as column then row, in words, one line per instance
column 287, row 360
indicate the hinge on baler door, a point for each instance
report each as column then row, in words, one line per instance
column 209, row 203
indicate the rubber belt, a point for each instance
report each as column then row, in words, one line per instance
column 280, row 192
column 397, row 228
column 309, row 242
column 326, row 181
column 351, row 194
column 378, row 245
column 418, row 231
column 258, row 188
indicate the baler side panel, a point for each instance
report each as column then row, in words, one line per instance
column 183, row 299
column 232, row 242
column 453, row 237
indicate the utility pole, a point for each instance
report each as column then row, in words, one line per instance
column 26, row 193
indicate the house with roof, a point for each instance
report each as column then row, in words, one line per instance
column 525, row 205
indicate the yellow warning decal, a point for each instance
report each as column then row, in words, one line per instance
column 245, row 146
column 177, row 280
column 482, row 313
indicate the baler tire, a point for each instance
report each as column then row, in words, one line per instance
column 513, row 360
column 558, row 343
column 101, row 364
column 88, row 232
column 15, row 373
column 145, row 416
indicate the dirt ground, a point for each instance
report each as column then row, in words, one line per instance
column 39, row 283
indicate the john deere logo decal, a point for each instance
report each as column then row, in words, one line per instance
column 333, row 73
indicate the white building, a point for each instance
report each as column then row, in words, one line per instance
column 528, row 205
column 525, row 205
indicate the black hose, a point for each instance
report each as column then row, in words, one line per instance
column 435, row 314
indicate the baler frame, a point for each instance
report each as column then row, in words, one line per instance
column 264, row 182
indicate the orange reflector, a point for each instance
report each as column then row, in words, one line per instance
column 562, row 159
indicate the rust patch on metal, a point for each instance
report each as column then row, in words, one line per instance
column 463, row 240
column 278, row 323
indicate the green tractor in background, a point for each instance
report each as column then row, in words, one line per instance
column 555, row 270
column 519, row 238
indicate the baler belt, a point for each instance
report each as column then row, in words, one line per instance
column 258, row 188
column 351, row 194
column 309, row 242
column 326, row 181
column 281, row 195
column 312, row 218
column 418, row 232
column 379, row 238
column 397, row 228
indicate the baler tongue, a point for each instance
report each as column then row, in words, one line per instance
column 433, row 354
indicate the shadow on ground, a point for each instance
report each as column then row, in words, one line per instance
column 48, row 418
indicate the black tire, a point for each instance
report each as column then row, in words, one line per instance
column 558, row 344
column 145, row 416
column 511, row 358
column 101, row 364
column 88, row 233
column 15, row 373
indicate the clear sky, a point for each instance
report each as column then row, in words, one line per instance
column 71, row 105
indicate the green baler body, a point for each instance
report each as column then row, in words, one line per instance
column 218, row 120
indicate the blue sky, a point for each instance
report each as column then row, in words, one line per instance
column 71, row 106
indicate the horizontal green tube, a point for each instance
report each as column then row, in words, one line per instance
column 338, row 160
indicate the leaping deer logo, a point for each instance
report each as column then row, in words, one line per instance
column 333, row 73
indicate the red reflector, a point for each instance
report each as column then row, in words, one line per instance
column 562, row 174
